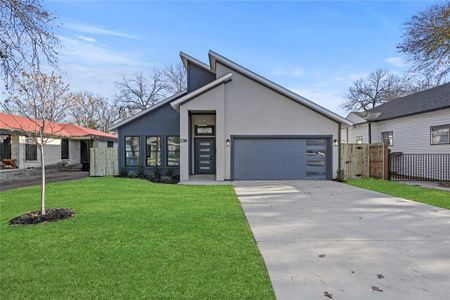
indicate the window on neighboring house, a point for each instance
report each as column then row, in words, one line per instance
column 153, row 151
column 388, row 136
column 30, row 150
column 131, row 151
column 110, row 144
column 359, row 139
column 173, row 151
column 440, row 134
column 65, row 149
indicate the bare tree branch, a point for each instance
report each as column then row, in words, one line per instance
column 43, row 100
column 379, row 87
column 426, row 41
column 26, row 38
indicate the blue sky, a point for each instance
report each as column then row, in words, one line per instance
column 316, row 49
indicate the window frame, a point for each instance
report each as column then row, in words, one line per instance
column 392, row 138
column 167, row 150
column 159, row 162
column 67, row 149
column 431, row 134
column 108, row 143
column 27, row 145
column 125, row 149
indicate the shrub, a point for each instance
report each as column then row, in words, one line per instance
column 340, row 176
column 123, row 172
column 140, row 171
column 156, row 172
column 170, row 173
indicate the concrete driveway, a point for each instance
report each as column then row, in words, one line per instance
column 323, row 239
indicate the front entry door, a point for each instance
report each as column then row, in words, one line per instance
column 205, row 156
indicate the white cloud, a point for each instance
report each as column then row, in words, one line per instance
column 396, row 61
column 293, row 72
column 92, row 29
column 86, row 38
column 95, row 67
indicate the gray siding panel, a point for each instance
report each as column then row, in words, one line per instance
column 163, row 122
column 198, row 77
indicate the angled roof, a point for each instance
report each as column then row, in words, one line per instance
column 227, row 77
column 420, row 102
column 185, row 58
column 145, row 111
column 22, row 124
column 215, row 57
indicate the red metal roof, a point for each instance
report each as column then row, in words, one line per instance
column 11, row 122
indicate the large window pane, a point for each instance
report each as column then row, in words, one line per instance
column 173, row 151
column 30, row 150
column 153, row 151
column 131, row 151
column 440, row 134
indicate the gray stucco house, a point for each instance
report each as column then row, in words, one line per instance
column 233, row 124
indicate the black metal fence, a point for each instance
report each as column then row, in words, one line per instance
column 419, row 167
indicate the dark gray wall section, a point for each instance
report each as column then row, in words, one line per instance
column 274, row 158
column 163, row 121
column 198, row 77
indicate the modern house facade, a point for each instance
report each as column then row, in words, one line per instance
column 66, row 143
column 417, row 123
column 233, row 124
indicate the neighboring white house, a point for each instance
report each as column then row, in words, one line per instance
column 67, row 143
column 418, row 123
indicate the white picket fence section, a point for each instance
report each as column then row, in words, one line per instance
column 104, row 162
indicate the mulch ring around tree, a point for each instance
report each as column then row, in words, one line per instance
column 35, row 217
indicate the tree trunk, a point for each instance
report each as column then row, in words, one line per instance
column 41, row 148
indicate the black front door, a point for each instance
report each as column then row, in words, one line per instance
column 85, row 153
column 205, row 156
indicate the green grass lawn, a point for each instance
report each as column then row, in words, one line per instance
column 131, row 239
column 416, row 193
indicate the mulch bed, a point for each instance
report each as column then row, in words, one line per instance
column 35, row 217
column 167, row 180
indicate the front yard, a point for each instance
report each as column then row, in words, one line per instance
column 416, row 193
column 131, row 239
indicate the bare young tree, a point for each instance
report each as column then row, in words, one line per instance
column 43, row 100
column 379, row 87
column 426, row 41
column 175, row 78
column 138, row 93
column 26, row 37
column 95, row 111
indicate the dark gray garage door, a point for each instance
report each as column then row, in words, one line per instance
column 280, row 158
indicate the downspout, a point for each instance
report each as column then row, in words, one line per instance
column 370, row 133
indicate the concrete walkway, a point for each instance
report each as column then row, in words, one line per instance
column 322, row 238
column 36, row 180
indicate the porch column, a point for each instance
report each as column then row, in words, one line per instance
column 184, row 144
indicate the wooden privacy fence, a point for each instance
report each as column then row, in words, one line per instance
column 104, row 162
column 365, row 160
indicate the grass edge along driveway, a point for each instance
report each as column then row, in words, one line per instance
column 425, row 195
column 131, row 239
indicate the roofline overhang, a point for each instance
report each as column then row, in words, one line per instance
column 221, row 80
column 186, row 58
column 145, row 111
column 215, row 57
